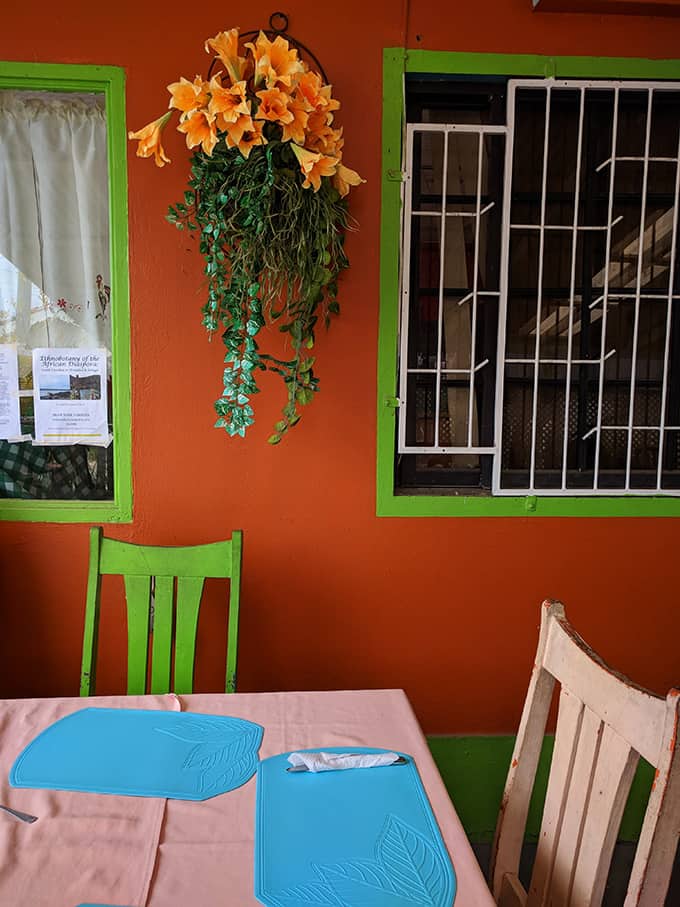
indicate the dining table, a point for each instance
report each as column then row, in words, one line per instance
column 149, row 851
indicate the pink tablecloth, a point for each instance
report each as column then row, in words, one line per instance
column 141, row 852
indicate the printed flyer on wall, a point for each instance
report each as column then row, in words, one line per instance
column 69, row 393
column 10, row 426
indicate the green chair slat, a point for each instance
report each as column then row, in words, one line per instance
column 212, row 560
column 162, row 634
column 189, row 592
column 172, row 621
column 232, row 630
column 137, row 592
column 91, row 629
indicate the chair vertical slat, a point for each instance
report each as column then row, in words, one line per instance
column 576, row 805
column 137, row 591
column 91, row 624
column 234, row 593
column 189, row 592
column 161, row 651
column 658, row 844
column 512, row 817
column 512, row 894
column 567, row 736
column 612, row 779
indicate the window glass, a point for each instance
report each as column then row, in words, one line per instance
column 54, row 274
column 539, row 320
column 65, row 433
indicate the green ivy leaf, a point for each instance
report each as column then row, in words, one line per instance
column 304, row 396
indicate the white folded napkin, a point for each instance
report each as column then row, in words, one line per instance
column 330, row 762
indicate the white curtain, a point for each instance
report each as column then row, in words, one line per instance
column 54, row 221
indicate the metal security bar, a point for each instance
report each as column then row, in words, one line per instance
column 587, row 398
column 427, row 375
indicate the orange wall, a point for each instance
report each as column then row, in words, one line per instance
column 332, row 595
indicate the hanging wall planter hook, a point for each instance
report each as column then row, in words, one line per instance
column 282, row 29
column 278, row 27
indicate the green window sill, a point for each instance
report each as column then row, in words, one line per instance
column 22, row 510
column 400, row 505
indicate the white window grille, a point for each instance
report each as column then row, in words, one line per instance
column 439, row 219
column 585, row 364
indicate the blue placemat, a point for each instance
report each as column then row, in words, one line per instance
column 142, row 753
column 351, row 838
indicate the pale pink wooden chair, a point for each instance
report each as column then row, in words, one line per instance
column 604, row 724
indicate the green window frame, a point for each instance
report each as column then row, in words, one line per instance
column 109, row 81
column 396, row 63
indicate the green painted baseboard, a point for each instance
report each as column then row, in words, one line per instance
column 474, row 771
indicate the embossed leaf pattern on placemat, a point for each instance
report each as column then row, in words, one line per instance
column 199, row 729
column 408, row 871
column 224, row 752
column 414, row 866
column 314, row 895
column 364, row 882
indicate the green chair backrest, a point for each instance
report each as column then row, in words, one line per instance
column 173, row 618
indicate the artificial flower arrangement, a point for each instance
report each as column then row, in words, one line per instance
column 267, row 199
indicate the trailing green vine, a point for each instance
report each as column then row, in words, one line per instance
column 271, row 252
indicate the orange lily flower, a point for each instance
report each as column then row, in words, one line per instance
column 343, row 178
column 227, row 104
column 225, row 46
column 187, row 96
column 275, row 61
column 316, row 93
column 314, row 166
column 335, row 143
column 320, row 136
column 309, row 86
column 295, row 130
column 149, row 138
column 319, row 122
column 200, row 130
column 328, row 102
column 247, row 139
column 236, row 130
column 274, row 106
column 324, row 140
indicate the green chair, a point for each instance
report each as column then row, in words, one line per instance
column 172, row 618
